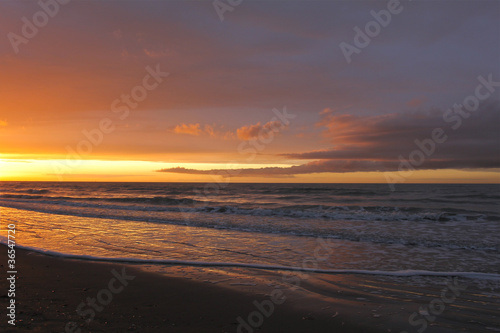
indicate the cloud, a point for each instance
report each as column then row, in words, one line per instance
column 385, row 137
column 381, row 143
column 248, row 172
column 3, row 123
column 253, row 131
column 191, row 129
column 335, row 166
column 340, row 166
column 243, row 133
column 206, row 130
column 278, row 52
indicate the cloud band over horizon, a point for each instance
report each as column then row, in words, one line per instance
column 383, row 143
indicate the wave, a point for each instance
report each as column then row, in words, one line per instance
column 387, row 231
column 37, row 191
column 301, row 211
column 171, row 262
column 323, row 191
column 346, row 213
column 157, row 200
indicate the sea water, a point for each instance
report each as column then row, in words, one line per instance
column 438, row 228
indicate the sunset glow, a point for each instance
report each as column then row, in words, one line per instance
column 165, row 87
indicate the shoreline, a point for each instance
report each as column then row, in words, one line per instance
column 56, row 294
column 50, row 290
column 265, row 267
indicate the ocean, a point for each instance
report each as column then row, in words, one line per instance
column 421, row 258
column 368, row 227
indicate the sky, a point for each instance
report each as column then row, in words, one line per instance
column 250, row 91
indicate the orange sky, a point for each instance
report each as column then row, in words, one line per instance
column 119, row 91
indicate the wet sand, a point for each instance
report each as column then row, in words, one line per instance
column 61, row 295
column 49, row 291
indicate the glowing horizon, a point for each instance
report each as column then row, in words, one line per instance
column 119, row 171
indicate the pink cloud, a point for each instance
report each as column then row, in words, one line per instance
column 204, row 130
column 253, row 131
column 190, row 129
